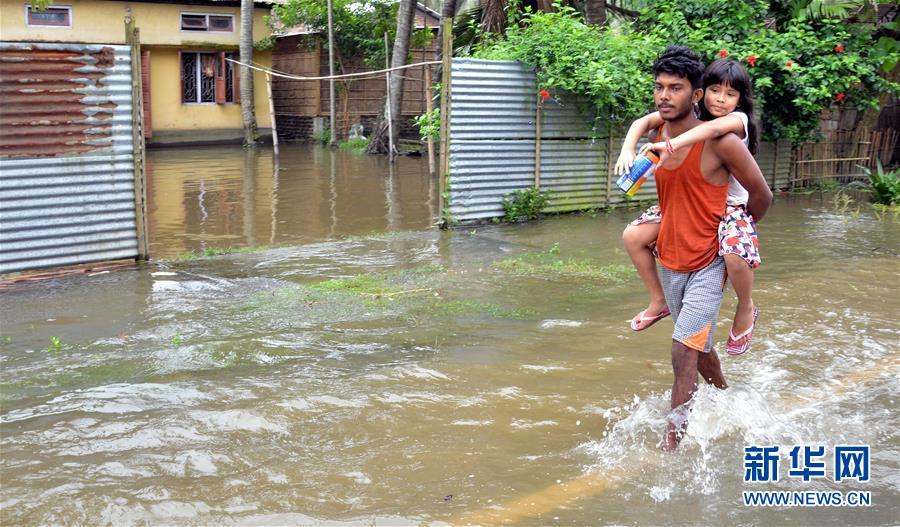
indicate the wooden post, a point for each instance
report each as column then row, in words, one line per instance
column 447, row 55
column 429, row 107
column 793, row 169
column 390, row 113
column 272, row 114
column 331, row 109
column 133, row 39
column 537, row 145
column 774, row 163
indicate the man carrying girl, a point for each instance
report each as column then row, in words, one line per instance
column 692, row 186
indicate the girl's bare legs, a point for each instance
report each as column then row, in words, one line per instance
column 636, row 238
column 741, row 276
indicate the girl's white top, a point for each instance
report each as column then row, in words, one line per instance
column 737, row 194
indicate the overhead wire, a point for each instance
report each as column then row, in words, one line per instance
column 361, row 75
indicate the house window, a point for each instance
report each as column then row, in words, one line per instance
column 52, row 16
column 207, row 78
column 203, row 22
column 221, row 23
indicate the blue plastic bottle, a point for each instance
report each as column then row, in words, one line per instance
column 643, row 168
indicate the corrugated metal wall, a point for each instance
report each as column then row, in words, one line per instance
column 774, row 160
column 66, row 155
column 492, row 146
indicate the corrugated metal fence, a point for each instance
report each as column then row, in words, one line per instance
column 492, row 146
column 67, row 165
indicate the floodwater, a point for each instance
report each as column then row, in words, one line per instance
column 227, row 197
column 418, row 377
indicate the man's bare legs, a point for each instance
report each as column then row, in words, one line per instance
column 686, row 363
column 711, row 369
column 741, row 276
column 636, row 238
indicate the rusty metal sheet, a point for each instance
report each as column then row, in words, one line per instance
column 66, row 155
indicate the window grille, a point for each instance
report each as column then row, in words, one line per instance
column 208, row 78
column 189, row 77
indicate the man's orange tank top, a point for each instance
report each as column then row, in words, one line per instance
column 691, row 211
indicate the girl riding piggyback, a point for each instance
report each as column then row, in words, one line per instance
column 727, row 106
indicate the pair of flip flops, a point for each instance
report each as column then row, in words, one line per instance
column 641, row 318
column 732, row 347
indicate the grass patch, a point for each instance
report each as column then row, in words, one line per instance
column 551, row 263
column 219, row 251
column 357, row 145
column 472, row 307
column 884, row 211
column 822, row 187
column 366, row 284
column 381, row 284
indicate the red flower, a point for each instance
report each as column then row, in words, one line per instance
column 544, row 95
column 723, row 53
column 751, row 60
column 839, row 48
column 840, row 96
column 789, row 64
column 732, row 240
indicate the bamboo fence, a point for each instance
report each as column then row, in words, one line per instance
column 842, row 157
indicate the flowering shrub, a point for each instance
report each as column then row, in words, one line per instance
column 799, row 69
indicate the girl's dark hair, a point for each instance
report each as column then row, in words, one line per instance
column 680, row 61
column 730, row 72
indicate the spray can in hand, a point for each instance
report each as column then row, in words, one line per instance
column 643, row 168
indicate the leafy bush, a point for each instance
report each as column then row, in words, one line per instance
column 429, row 124
column 611, row 70
column 525, row 203
column 885, row 185
column 356, row 145
column 799, row 68
column 323, row 136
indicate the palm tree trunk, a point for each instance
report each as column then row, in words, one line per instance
column 595, row 12
column 405, row 18
column 493, row 16
column 248, row 112
column 448, row 10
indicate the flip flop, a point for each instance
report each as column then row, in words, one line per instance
column 639, row 318
column 732, row 347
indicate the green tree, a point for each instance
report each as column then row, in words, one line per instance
column 379, row 143
column 248, row 111
column 359, row 25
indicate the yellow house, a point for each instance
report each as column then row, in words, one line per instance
column 191, row 94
